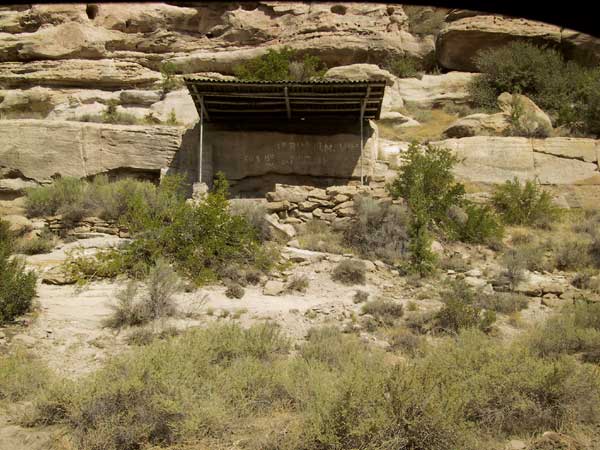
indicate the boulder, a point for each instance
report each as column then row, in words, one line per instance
column 84, row 149
column 179, row 103
column 273, row 287
column 478, row 125
column 279, row 231
column 530, row 117
column 293, row 194
column 15, row 186
column 432, row 90
column 459, row 40
column 358, row 72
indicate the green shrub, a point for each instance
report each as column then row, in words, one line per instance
column 462, row 310
column 480, row 225
column 572, row 253
column 524, row 204
column 565, row 89
column 406, row 67
column 424, row 20
column 385, row 311
column 283, row 64
column 65, row 196
column 350, row 272
column 199, row 240
column 17, row 285
column 406, row 341
column 225, row 386
column 379, row 231
column 169, row 80
column 426, row 181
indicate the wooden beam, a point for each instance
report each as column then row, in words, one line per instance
column 287, row 104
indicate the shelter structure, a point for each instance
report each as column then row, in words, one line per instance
column 260, row 133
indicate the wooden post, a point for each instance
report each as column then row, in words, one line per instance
column 201, row 140
column 362, row 119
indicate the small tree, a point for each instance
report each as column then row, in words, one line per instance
column 524, row 204
column 169, row 80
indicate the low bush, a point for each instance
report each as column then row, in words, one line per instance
column 254, row 212
column 360, row 297
column 350, row 272
column 503, row 302
column 572, row 253
column 385, row 311
column 462, row 309
column 317, row 236
column 587, row 279
column 405, row 340
column 524, row 204
column 283, row 64
column 44, row 243
column 379, row 231
column 574, row 330
column 17, row 285
column 298, row 283
column 406, row 67
column 162, row 284
column 235, row 290
column 169, row 81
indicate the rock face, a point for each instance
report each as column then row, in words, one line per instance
column 435, row 90
column 465, row 34
column 492, row 160
column 84, row 149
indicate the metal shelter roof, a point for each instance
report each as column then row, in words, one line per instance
column 237, row 100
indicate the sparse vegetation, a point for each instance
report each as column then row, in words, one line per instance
column 335, row 393
column 299, row 283
column 169, row 80
column 360, row 296
column 283, row 64
column 17, row 285
column 350, row 272
column 21, row 376
column 385, row 311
